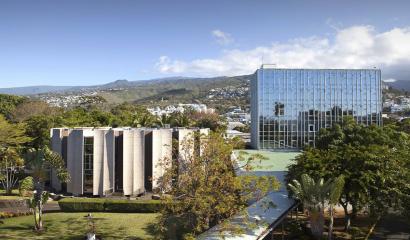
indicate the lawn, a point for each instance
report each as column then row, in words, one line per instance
column 74, row 226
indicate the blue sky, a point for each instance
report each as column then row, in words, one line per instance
column 94, row 42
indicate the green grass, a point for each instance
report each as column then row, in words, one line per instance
column 74, row 226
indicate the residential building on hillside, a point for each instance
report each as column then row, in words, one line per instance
column 290, row 106
column 130, row 161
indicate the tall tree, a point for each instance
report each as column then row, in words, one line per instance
column 372, row 159
column 206, row 188
column 38, row 161
column 12, row 136
column 10, row 164
column 313, row 196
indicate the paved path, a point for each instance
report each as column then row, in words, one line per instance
column 392, row 227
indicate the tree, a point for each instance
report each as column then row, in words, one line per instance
column 372, row 160
column 204, row 189
column 313, row 196
column 10, row 165
column 8, row 103
column 209, row 120
column 38, row 128
column 28, row 109
column 164, row 120
column 334, row 195
column 180, row 119
column 12, row 136
column 37, row 163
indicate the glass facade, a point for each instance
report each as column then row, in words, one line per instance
column 88, row 164
column 289, row 106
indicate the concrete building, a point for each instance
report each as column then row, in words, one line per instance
column 125, row 160
column 290, row 106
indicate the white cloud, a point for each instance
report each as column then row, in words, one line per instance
column 222, row 38
column 353, row 47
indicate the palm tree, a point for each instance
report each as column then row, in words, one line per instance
column 38, row 161
column 164, row 120
column 143, row 120
column 313, row 196
column 336, row 189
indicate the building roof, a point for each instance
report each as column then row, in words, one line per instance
column 264, row 217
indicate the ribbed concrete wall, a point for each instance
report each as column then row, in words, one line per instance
column 186, row 141
column 161, row 152
column 204, row 136
column 109, row 161
column 56, row 146
column 138, row 165
column 75, row 151
column 128, row 161
column 135, row 145
column 98, row 161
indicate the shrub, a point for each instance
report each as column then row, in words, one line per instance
column 138, row 206
column 82, row 204
column 26, row 186
column 109, row 205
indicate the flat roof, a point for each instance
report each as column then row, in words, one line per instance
column 264, row 218
column 276, row 161
column 273, row 66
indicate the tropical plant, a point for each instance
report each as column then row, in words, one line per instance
column 36, row 205
column 206, row 188
column 373, row 161
column 164, row 120
column 26, row 185
column 10, row 165
column 313, row 194
column 336, row 190
column 38, row 161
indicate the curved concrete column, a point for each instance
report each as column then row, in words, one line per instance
column 75, row 151
column 128, row 162
column 138, row 166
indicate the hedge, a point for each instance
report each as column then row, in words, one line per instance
column 109, row 205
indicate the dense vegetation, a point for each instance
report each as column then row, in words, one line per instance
column 374, row 161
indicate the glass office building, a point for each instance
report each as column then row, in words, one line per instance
column 289, row 106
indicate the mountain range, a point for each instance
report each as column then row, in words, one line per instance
column 171, row 83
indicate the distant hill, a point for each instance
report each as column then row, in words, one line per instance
column 32, row 90
column 403, row 85
column 218, row 92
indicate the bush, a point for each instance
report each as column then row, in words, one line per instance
column 146, row 206
column 82, row 204
column 26, row 187
column 109, row 205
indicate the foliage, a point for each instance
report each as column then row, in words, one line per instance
column 315, row 196
column 29, row 109
column 372, row 160
column 82, row 204
column 26, row 185
column 38, row 129
column 12, row 135
column 8, row 103
column 10, row 165
column 206, row 188
column 109, row 205
column 209, row 120
column 38, row 161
